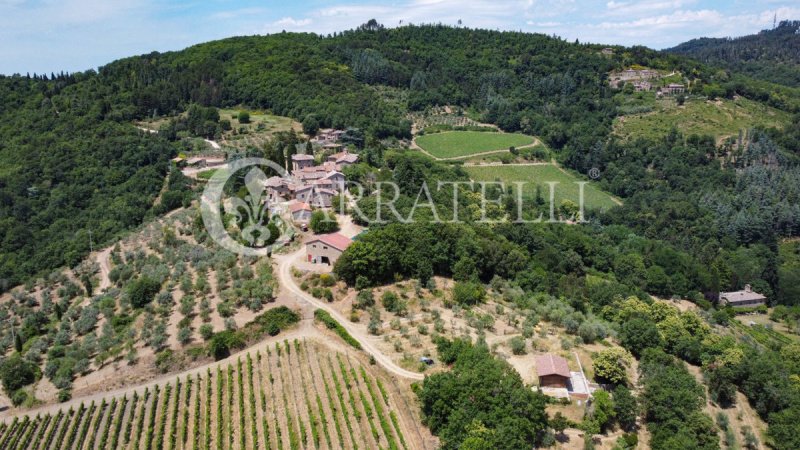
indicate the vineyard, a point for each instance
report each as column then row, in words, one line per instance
column 296, row 395
column 763, row 335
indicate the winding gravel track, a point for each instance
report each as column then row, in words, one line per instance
column 286, row 280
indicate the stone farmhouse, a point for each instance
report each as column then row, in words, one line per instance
column 326, row 248
column 673, row 89
column 746, row 298
column 327, row 136
column 301, row 212
column 641, row 86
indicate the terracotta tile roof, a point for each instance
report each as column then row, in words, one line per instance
column 301, row 206
column 335, row 240
column 549, row 364
column 275, row 182
column 745, row 295
column 349, row 158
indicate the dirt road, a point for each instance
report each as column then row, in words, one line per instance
column 213, row 144
column 105, row 268
column 286, row 280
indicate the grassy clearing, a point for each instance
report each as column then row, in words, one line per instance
column 261, row 127
column 764, row 330
column 206, row 174
column 540, row 175
column 457, row 144
column 721, row 119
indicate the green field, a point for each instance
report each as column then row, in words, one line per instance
column 458, row 144
column 540, row 175
column 721, row 119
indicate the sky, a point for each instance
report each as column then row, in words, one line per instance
column 42, row 36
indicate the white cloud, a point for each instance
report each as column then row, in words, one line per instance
column 645, row 6
column 501, row 14
column 669, row 29
column 292, row 22
column 238, row 13
column 544, row 24
column 51, row 35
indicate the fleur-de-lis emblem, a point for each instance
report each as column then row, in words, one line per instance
column 250, row 212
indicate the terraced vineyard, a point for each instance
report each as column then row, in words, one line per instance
column 296, row 396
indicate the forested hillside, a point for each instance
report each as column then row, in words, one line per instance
column 72, row 164
column 70, row 172
column 771, row 55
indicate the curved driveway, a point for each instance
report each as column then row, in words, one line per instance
column 286, row 280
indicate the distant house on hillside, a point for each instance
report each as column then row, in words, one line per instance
column 674, row 88
column 343, row 158
column 746, row 298
column 607, row 51
column 327, row 136
column 552, row 370
column 640, row 86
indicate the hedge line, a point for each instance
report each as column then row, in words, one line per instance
column 332, row 324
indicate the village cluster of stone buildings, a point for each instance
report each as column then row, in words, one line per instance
column 641, row 81
column 311, row 184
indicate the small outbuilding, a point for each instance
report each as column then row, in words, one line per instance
column 552, row 370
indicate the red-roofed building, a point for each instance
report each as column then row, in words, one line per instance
column 343, row 158
column 553, row 371
column 327, row 248
column 301, row 212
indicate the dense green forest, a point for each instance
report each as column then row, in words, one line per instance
column 771, row 55
column 70, row 174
